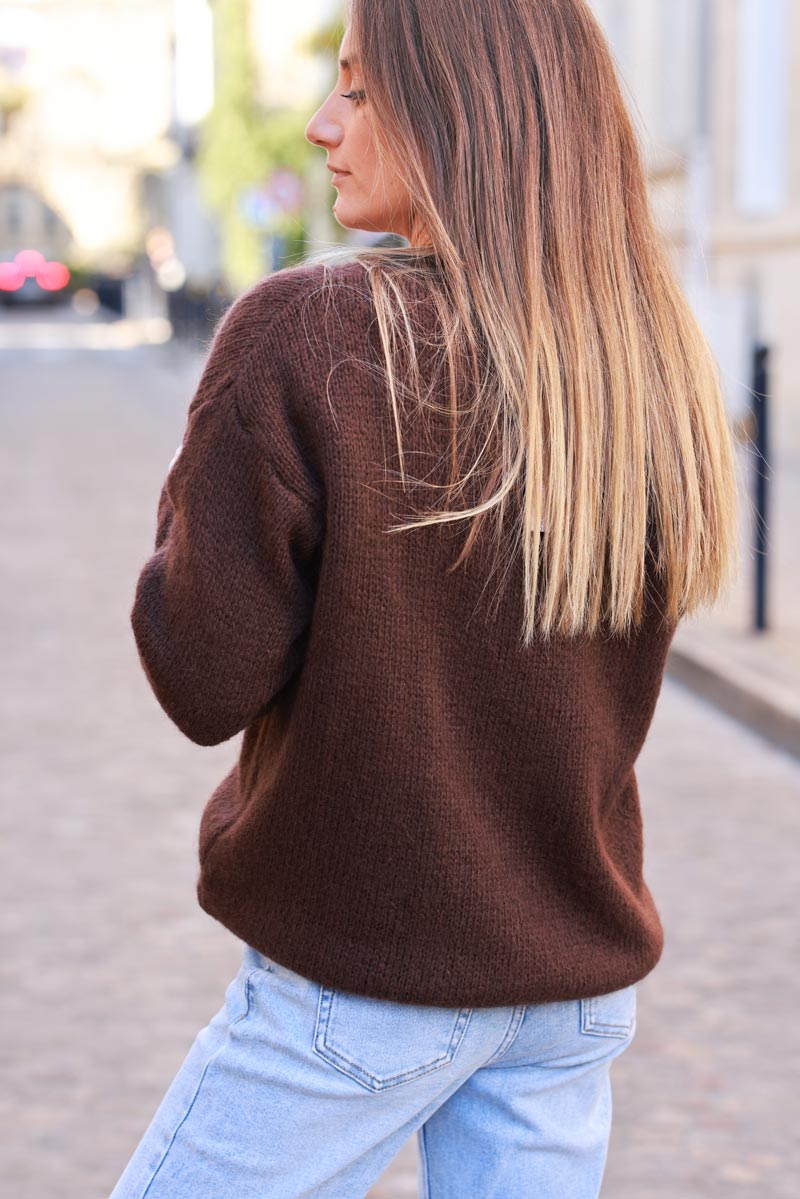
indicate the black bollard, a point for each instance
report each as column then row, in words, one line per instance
column 760, row 496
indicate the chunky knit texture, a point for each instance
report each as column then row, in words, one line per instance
column 421, row 810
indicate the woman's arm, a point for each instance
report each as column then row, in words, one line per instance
column 222, row 604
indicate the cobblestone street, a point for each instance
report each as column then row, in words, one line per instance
column 110, row 967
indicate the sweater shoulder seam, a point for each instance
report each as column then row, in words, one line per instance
column 275, row 321
column 251, row 429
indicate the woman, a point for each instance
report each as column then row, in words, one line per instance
column 431, row 842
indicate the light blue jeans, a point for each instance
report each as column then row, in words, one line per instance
column 295, row 1089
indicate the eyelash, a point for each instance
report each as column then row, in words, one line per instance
column 357, row 96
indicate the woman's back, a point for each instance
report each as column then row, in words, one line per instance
column 424, row 810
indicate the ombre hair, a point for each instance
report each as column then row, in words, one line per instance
column 597, row 403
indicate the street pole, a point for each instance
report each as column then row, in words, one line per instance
column 761, row 490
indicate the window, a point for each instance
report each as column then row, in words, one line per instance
column 763, row 100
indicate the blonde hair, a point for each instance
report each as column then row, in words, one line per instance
column 598, row 404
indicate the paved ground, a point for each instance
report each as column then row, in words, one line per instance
column 109, row 967
column 756, row 675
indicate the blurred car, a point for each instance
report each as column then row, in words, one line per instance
column 30, row 278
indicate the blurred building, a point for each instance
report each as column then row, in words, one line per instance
column 714, row 87
column 99, row 106
column 92, row 100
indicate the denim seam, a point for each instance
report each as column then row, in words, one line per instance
column 423, row 1157
column 214, row 1055
column 514, row 1025
column 593, row 1026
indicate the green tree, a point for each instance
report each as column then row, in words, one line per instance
column 240, row 143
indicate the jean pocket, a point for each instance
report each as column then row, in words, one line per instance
column 383, row 1044
column 610, row 1015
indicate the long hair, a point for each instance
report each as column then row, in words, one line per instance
column 597, row 404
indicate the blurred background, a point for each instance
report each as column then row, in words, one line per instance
column 153, row 164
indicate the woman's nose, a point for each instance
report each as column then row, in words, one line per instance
column 322, row 130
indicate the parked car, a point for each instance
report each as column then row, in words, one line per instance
column 30, row 278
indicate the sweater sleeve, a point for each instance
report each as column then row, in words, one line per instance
column 222, row 606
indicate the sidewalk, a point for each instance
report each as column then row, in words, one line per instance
column 754, row 675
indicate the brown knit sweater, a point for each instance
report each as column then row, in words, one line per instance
column 421, row 810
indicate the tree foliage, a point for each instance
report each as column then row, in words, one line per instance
column 241, row 142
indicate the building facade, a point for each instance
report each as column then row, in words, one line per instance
column 714, row 87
